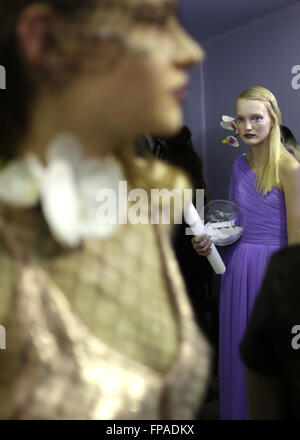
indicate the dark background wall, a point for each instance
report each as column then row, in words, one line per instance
column 246, row 43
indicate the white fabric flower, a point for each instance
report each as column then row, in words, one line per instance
column 231, row 140
column 228, row 122
column 17, row 188
column 67, row 189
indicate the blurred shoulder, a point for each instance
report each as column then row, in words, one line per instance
column 159, row 175
column 6, row 284
column 171, row 183
column 16, row 231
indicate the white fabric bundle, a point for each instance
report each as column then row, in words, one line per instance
column 194, row 221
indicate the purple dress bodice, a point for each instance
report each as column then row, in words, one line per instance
column 264, row 215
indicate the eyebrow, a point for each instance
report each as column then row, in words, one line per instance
column 150, row 9
column 251, row 116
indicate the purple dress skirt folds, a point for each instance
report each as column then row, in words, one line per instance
column 265, row 232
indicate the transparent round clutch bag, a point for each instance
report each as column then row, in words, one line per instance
column 223, row 220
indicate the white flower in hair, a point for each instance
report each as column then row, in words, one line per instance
column 231, row 140
column 228, row 122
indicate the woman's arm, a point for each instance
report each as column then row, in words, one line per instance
column 290, row 180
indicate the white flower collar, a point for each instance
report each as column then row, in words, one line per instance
column 66, row 188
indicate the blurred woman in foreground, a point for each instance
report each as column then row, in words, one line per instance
column 98, row 325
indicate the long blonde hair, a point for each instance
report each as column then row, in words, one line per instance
column 268, row 172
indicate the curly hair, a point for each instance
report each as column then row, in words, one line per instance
column 20, row 88
column 78, row 25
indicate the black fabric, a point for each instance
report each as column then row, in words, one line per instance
column 179, row 151
column 267, row 344
column 143, row 148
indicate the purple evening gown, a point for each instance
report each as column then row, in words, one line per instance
column 264, row 232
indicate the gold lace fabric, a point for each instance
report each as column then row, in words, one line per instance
column 102, row 332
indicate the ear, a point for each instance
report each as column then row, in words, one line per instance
column 32, row 30
column 291, row 150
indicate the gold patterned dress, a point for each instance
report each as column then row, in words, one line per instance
column 103, row 331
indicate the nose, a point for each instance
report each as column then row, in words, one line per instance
column 188, row 51
column 248, row 125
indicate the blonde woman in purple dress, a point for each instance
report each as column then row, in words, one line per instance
column 265, row 183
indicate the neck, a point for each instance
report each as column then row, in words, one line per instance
column 51, row 117
column 258, row 153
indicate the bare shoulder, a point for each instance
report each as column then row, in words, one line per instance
column 289, row 168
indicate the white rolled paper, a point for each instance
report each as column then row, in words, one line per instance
column 194, row 221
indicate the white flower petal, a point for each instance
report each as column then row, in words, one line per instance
column 65, row 147
column 94, row 176
column 17, row 188
column 35, row 168
column 227, row 125
column 68, row 189
column 227, row 118
column 60, row 202
column 233, row 141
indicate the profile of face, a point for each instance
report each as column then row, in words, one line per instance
column 144, row 91
column 140, row 89
column 253, row 121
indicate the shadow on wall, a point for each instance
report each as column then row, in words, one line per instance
column 220, row 162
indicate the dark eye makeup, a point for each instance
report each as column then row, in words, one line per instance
column 258, row 118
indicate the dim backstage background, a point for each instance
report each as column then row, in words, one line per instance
column 247, row 44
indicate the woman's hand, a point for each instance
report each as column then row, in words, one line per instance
column 202, row 244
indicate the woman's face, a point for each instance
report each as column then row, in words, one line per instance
column 143, row 90
column 253, row 121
